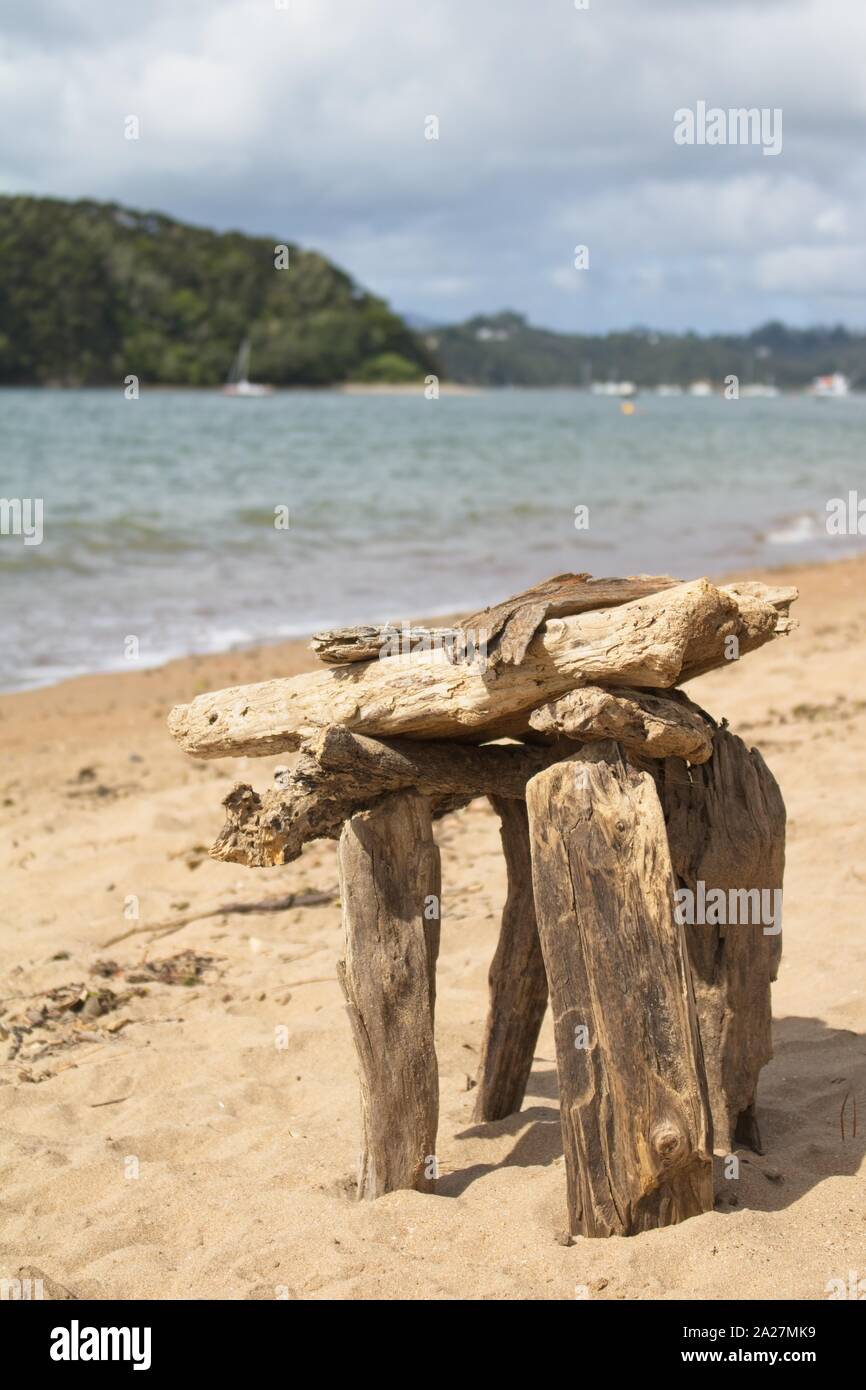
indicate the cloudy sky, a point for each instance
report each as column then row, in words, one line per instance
column 305, row 119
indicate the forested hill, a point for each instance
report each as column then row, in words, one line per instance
column 90, row 292
column 505, row 350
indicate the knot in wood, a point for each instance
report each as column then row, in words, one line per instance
column 669, row 1143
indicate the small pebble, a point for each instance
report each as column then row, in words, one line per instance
column 564, row 1238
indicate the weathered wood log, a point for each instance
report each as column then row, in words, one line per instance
column 263, row 829
column 436, row 769
column 751, row 598
column 656, row 642
column 518, row 981
column 656, row 726
column 506, row 629
column 368, row 643
column 635, row 1114
column 390, row 888
column 726, row 828
column 339, row 773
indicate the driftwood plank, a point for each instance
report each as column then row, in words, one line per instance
column 655, row 726
column 654, row 642
column 437, row 769
column 339, row 773
column 518, row 982
column 635, row 1114
column 390, row 884
column 726, row 828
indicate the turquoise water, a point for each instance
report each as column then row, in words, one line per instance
column 158, row 514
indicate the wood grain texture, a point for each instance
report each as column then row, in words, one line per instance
column 339, row 773
column 634, row 1108
column 726, row 829
column 389, row 875
column 657, row 726
column 508, row 628
column 437, row 769
column 517, row 980
column 338, row 646
column 654, row 642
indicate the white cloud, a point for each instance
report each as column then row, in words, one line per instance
column 837, row 272
column 556, row 126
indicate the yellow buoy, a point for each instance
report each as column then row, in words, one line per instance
column 627, row 408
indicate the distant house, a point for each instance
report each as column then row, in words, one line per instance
column 614, row 388
column 836, row 384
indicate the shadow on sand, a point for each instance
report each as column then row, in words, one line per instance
column 807, row 1101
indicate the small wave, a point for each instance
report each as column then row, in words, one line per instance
column 795, row 531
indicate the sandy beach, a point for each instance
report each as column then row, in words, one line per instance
column 159, row 1143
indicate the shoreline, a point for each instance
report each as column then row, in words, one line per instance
column 451, row 388
column 296, row 647
column 343, row 388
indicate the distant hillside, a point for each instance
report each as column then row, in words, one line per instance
column 90, row 292
column 504, row 350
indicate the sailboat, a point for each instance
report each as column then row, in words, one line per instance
column 239, row 383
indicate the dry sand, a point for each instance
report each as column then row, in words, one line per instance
column 245, row 1150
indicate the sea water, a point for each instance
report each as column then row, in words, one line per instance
column 189, row 522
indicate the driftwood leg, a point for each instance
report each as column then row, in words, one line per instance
column 726, row 828
column 635, row 1113
column 390, row 886
column 518, row 982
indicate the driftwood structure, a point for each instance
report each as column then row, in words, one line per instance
column 644, row 851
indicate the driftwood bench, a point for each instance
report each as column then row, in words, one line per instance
column 620, row 803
